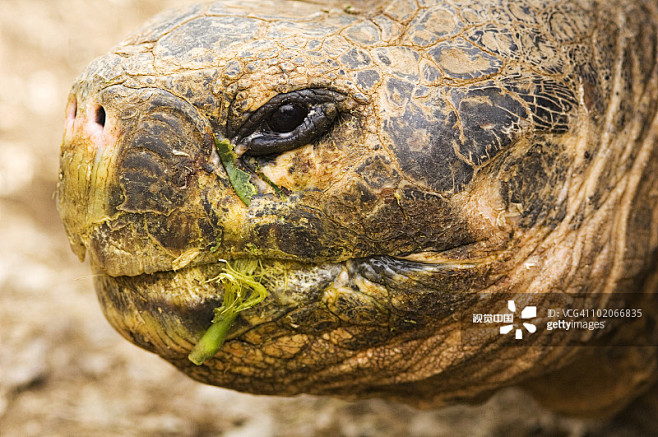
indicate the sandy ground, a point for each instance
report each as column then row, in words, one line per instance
column 63, row 370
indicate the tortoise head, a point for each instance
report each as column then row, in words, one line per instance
column 385, row 166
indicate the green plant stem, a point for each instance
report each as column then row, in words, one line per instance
column 212, row 339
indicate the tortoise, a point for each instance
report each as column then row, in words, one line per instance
column 393, row 168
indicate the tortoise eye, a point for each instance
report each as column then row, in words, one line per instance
column 289, row 121
column 287, row 118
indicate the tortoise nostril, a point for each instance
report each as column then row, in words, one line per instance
column 100, row 116
column 72, row 108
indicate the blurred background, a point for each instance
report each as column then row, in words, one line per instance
column 63, row 370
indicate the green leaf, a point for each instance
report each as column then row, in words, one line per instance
column 239, row 179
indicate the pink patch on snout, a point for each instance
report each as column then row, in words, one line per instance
column 89, row 121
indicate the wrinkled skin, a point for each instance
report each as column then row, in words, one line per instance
column 478, row 147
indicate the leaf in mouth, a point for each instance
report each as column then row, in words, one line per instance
column 239, row 179
column 242, row 290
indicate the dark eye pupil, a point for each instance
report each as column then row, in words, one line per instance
column 287, row 117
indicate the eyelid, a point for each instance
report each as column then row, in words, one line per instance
column 256, row 139
column 308, row 97
column 319, row 118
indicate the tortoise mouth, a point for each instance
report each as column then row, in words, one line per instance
column 314, row 317
column 166, row 312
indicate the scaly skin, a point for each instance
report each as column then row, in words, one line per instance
column 481, row 147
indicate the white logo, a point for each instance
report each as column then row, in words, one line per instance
column 529, row 312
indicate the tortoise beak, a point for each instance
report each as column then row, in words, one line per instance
column 87, row 152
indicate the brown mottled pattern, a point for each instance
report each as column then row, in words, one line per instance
column 480, row 146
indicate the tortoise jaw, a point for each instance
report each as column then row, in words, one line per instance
column 167, row 311
column 312, row 319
